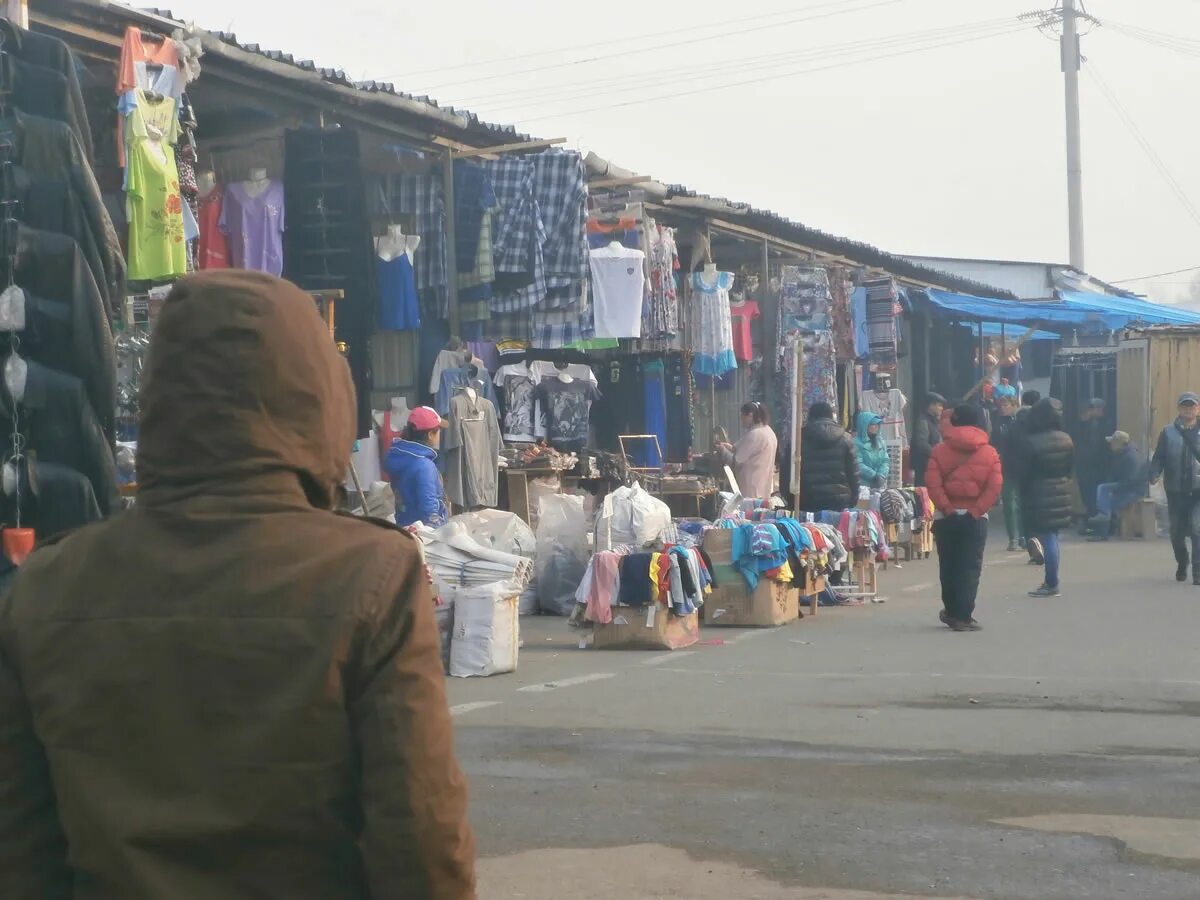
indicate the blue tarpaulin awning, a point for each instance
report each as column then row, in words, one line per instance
column 1075, row 310
column 1015, row 332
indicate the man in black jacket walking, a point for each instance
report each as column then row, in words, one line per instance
column 1176, row 461
column 1042, row 464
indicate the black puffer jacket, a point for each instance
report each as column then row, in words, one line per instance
column 828, row 467
column 1042, row 463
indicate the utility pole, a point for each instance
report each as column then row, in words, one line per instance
column 1071, row 63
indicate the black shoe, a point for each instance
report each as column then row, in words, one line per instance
column 1037, row 555
column 944, row 618
column 1181, row 572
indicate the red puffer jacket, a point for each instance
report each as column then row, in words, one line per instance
column 964, row 472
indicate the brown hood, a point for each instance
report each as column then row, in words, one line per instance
column 242, row 382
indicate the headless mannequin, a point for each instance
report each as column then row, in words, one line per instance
column 257, row 183
column 206, row 182
column 562, row 373
column 12, row 309
column 710, row 270
column 394, row 243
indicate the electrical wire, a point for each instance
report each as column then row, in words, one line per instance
column 1185, row 46
column 667, row 46
column 721, row 87
column 592, row 45
column 602, row 86
column 1159, row 275
column 1152, row 154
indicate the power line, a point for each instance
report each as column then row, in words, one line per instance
column 667, row 46
column 592, row 45
column 591, row 88
column 721, row 87
column 1184, row 46
column 1175, row 187
column 1159, row 275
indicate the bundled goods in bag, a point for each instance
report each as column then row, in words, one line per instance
column 630, row 515
column 487, row 633
column 562, row 552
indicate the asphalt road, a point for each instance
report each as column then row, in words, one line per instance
column 866, row 753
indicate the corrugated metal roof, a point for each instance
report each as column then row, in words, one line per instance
column 764, row 220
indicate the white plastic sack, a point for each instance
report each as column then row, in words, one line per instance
column 499, row 530
column 562, row 552
column 1162, row 518
column 487, row 633
column 630, row 515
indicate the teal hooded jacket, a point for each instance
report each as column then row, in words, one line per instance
column 873, row 462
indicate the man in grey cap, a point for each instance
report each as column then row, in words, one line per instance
column 1176, row 461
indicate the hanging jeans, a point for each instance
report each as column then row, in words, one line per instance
column 656, row 415
column 960, row 544
column 1053, row 554
column 1184, row 513
column 1012, row 511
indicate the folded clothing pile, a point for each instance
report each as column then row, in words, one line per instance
column 457, row 560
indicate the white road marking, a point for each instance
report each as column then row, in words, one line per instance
column 463, row 708
column 880, row 676
column 917, row 588
column 749, row 635
column 565, row 682
column 667, row 657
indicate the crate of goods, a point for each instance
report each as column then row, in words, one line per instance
column 651, row 628
column 734, row 605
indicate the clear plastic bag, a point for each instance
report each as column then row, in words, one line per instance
column 500, row 530
column 562, row 552
column 630, row 515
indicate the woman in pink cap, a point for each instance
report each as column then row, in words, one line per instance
column 412, row 466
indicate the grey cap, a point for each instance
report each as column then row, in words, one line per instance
column 1096, row 403
column 1189, row 397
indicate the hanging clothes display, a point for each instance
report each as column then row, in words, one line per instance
column 157, row 249
column 742, row 314
column 618, row 290
column 890, row 407
column 882, row 301
column 453, row 380
column 253, row 216
column 58, row 390
column 713, row 345
column 399, row 309
column 567, row 405
column 660, row 312
column 471, row 449
column 212, row 251
column 516, row 382
column 840, row 315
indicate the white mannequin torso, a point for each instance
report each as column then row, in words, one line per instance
column 257, row 183
column 396, row 242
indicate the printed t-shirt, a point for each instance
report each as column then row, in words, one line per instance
column 568, row 406
column 618, row 286
column 516, row 383
column 741, row 315
column 255, row 223
column 157, row 248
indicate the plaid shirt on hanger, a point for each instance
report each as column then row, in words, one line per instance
column 560, row 188
column 517, row 234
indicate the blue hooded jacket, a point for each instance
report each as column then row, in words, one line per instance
column 873, row 462
column 416, row 483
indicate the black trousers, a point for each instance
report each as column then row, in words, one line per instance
column 1185, row 527
column 960, row 544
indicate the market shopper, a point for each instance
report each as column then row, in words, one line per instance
column 829, row 463
column 1126, row 486
column 1092, row 456
column 753, row 456
column 1002, row 435
column 964, row 481
column 1176, row 461
column 230, row 691
column 926, row 435
column 874, row 464
column 412, row 467
column 1042, row 465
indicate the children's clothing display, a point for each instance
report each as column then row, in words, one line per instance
column 254, row 222
column 714, row 331
column 157, row 248
column 742, row 314
column 471, row 448
column 618, row 288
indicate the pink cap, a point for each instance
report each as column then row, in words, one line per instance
column 425, row 418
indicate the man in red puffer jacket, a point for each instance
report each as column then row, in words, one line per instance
column 964, row 481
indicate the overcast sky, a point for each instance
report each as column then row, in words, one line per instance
column 955, row 150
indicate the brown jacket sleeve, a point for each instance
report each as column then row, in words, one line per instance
column 33, row 857
column 416, row 841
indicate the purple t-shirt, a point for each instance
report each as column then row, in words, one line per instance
column 255, row 227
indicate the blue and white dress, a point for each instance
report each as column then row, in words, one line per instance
column 714, row 328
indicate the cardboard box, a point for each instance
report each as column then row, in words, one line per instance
column 733, row 605
column 718, row 544
column 637, row 629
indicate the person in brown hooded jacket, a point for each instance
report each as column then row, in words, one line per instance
column 229, row 691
